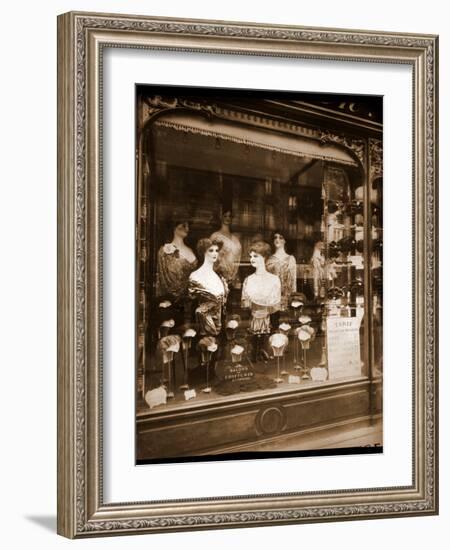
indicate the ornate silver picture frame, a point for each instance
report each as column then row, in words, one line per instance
column 83, row 510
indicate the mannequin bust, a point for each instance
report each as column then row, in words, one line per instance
column 261, row 291
column 208, row 288
column 175, row 263
column 318, row 265
column 283, row 265
column 231, row 249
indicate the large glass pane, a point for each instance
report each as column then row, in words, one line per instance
column 282, row 304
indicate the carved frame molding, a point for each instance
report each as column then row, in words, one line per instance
column 81, row 511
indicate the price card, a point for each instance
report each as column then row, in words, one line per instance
column 292, row 379
column 189, row 394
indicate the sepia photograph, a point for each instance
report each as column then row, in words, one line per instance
column 259, row 286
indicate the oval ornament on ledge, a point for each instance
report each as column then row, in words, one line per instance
column 271, row 421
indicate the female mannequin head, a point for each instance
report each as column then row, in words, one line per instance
column 259, row 252
column 181, row 229
column 208, row 250
column 227, row 217
column 178, row 227
column 278, row 240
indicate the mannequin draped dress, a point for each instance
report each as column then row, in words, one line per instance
column 262, row 294
column 318, row 265
column 173, row 272
column 211, row 299
column 286, row 269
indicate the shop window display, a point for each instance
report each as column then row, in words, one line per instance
column 256, row 264
column 261, row 285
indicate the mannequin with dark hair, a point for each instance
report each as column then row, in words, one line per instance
column 175, row 263
column 208, row 288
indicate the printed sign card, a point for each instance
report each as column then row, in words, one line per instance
column 343, row 347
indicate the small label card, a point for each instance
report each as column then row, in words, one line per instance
column 292, row 379
column 189, row 394
column 155, row 397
